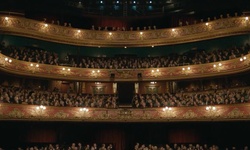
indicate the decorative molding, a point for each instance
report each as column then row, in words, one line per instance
column 198, row 113
column 85, row 74
column 14, row 25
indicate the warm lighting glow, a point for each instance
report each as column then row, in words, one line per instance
column 84, row 109
column 157, row 70
column 206, row 24
column 93, row 71
column 98, row 71
column 37, row 65
column 210, row 108
column 220, row 64
column 41, row 107
column 243, row 58
column 173, row 29
column 214, row 66
column 46, row 25
column 31, row 65
column 6, row 18
column 183, row 69
column 110, row 33
column 63, row 68
column 153, row 82
column 68, row 69
column 141, row 33
column 8, row 60
column 247, row 18
column 188, row 68
column 153, row 46
column 167, row 108
column 79, row 31
column 125, row 46
column 152, row 71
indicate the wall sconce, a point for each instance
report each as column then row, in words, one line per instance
column 33, row 67
column 141, row 35
column 44, row 27
column 217, row 67
column 210, row 108
column 110, row 35
column 167, row 112
column 6, row 21
column 65, row 71
column 244, row 60
column 247, row 22
column 6, row 61
column 83, row 112
column 186, row 70
column 77, row 34
column 174, row 32
column 153, row 82
column 211, row 111
column 155, row 72
column 40, row 110
column 167, row 109
column 84, row 109
column 95, row 73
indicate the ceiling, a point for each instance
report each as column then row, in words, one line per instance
column 83, row 9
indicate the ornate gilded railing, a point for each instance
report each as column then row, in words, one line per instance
column 20, row 26
column 200, row 113
column 150, row 74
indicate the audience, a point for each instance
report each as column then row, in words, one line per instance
column 137, row 146
column 15, row 95
column 125, row 62
column 214, row 97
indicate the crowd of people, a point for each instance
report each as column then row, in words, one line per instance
column 16, row 95
column 139, row 146
column 126, row 62
column 73, row 146
column 213, row 97
column 172, row 60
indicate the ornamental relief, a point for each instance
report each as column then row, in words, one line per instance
column 55, row 33
column 31, row 112
column 87, row 74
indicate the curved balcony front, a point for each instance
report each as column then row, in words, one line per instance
column 228, row 112
column 13, row 25
column 233, row 66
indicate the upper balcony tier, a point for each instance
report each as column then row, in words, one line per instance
column 18, row 67
column 14, row 25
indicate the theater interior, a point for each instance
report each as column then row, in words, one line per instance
column 124, row 75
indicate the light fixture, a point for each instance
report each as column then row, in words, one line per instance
column 167, row 109
column 243, row 58
column 41, row 107
column 210, row 108
column 84, row 109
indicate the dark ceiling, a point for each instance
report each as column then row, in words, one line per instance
column 86, row 10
